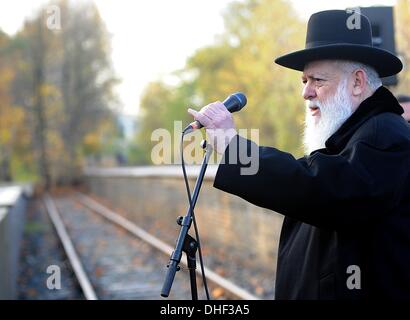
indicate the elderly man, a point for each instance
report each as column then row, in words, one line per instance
column 346, row 232
column 404, row 101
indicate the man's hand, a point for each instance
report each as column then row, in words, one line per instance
column 219, row 124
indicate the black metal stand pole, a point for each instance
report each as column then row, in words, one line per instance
column 190, row 247
column 185, row 243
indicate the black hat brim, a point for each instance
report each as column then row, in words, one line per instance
column 385, row 63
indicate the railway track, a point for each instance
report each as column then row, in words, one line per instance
column 112, row 258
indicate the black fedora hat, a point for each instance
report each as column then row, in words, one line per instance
column 331, row 35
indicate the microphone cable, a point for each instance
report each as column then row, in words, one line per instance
column 191, row 209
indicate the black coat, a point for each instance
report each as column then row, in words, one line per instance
column 345, row 205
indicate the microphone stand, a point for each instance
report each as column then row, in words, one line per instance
column 186, row 243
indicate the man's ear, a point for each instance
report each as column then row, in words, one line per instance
column 360, row 82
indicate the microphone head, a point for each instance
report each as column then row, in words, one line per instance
column 235, row 102
column 242, row 98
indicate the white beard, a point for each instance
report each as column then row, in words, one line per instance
column 333, row 113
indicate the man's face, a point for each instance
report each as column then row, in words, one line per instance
column 406, row 107
column 329, row 102
column 320, row 80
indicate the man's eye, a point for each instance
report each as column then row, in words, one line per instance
column 304, row 81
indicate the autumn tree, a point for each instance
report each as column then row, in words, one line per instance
column 87, row 79
column 241, row 59
column 402, row 19
column 64, row 81
column 13, row 133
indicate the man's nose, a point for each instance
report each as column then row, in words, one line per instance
column 308, row 92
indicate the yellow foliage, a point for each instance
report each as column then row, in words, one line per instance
column 402, row 20
column 92, row 141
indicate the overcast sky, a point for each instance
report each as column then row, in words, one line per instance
column 152, row 38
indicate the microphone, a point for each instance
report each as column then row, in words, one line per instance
column 233, row 103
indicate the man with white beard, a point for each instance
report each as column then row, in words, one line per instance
column 346, row 231
column 324, row 117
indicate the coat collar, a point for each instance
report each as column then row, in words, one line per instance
column 381, row 101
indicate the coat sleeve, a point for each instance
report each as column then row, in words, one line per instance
column 347, row 190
